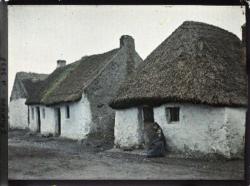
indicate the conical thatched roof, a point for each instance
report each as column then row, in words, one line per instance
column 197, row 63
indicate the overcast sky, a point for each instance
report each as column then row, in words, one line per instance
column 40, row 35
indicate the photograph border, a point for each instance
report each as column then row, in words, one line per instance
column 4, row 95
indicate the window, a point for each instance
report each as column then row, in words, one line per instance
column 32, row 113
column 67, row 112
column 43, row 113
column 28, row 115
column 173, row 114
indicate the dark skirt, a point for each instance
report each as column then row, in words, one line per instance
column 156, row 149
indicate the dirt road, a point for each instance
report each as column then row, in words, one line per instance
column 36, row 157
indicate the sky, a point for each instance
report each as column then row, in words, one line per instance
column 40, row 35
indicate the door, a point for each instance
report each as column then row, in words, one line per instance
column 148, row 114
column 58, row 122
column 38, row 119
column 28, row 116
column 148, row 124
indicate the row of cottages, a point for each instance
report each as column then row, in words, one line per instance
column 194, row 85
column 72, row 101
column 18, row 111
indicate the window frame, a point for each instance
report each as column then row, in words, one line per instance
column 172, row 114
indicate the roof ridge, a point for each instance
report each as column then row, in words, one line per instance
column 60, row 81
column 50, row 92
column 23, row 72
column 187, row 24
column 93, row 55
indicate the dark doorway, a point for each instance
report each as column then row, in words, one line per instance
column 147, row 125
column 58, row 122
column 38, row 119
column 148, row 114
column 28, row 116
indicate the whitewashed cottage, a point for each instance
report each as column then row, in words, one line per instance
column 194, row 85
column 18, row 110
column 72, row 101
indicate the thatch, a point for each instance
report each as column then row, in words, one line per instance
column 197, row 63
column 20, row 89
column 66, row 84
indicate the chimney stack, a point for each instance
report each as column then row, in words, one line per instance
column 61, row 63
column 128, row 42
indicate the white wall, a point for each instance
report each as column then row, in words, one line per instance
column 202, row 129
column 47, row 122
column 128, row 128
column 18, row 114
column 78, row 126
column 235, row 119
column 80, row 122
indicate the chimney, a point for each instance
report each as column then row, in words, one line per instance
column 61, row 63
column 128, row 42
column 243, row 44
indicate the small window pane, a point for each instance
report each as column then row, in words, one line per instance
column 67, row 112
column 32, row 113
column 28, row 115
column 172, row 114
column 43, row 112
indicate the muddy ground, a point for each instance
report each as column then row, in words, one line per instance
column 36, row 157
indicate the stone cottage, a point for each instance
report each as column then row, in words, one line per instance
column 18, row 111
column 194, row 85
column 72, row 101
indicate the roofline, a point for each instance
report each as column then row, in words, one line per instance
column 103, row 68
column 157, row 102
column 210, row 25
column 94, row 78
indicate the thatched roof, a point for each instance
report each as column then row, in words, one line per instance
column 197, row 63
column 66, row 84
column 20, row 90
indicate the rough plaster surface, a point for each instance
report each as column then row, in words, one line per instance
column 198, row 128
column 105, row 87
column 18, row 113
column 80, row 122
column 48, row 122
column 201, row 130
column 77, row 126
column 235, row 120
column 128, row 128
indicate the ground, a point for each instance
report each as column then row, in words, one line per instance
column 36, row 157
